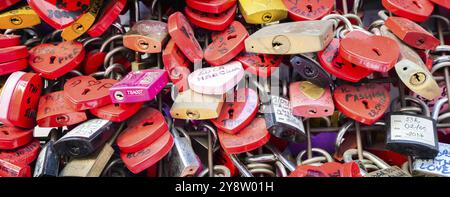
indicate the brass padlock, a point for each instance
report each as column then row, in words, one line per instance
column 262, row 11
column 20, row 18
column 195, row 106
column 291, row 38
column 146, row 36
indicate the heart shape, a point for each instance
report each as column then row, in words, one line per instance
column 84, row 92
column 261, row 65
column 54, row 112
column 416, row 10
column 211, row 6
column 183, row 35
column 331, row 61
column 53, row 61
column 238, row 113
column 249, row 138
column 366, row 103
column 308, row 10
column 116, row 112
column 376, row 53
column 13, row 137
column 60, row 13
column 176, row 65
column 215, row 22
column 216, row 80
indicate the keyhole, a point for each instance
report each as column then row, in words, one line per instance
column 312, row 111
column 230, row 113
column 376, row 51
column 149, row 123
column 52, row 59
column 366, row 104
column 231, row 37
column 116, row 105
column 417, row 4
column 5, row 132
column 86, row 91
column 309, row 8
column 261, row 57
column 417, row 77
column 420, row 41
column 276, row 45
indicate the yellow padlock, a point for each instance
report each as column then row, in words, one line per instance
column 262, row 11
column 83, row 24
column 195, row 106
column 20, row 18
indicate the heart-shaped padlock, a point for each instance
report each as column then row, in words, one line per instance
column 109, row 14
column 366, row 103
column 331, row 61
column 249, row 138
column 9, row 54
column 116, row 112
column 411, row 33
column 443, row 3
column 23, row 155
column 6, row 3
column 416, row 10
column 85, row 92
column 13, row 66
column 211, row 6
column 60, row 13
column 53, row 61
column 53, row 111
column 216, row 80
column 12, row 137
column 308, row 10
column 147, row 126
column 215, row 22
column 238, row 113
column 226, row 44
column 183, row 35
column 138, row 161
column 6, row 95
column 376, row 53
column 177, row 65
column 308, row 171
column 261, row 65
column 9, row 40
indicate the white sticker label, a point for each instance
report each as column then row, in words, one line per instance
column 283, row 113
column 86, row 129
column 440, row 165
column 412, row 128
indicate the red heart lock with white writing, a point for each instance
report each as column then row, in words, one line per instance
column 53, row 111
column 59, row 13
column 52, row 61
column 183, row 35
column 226, row 44
column 147, row 126
column 366, row 103
column 249, row 138
column 332, row 62
column 239, row 112
column 261, row 65
column 85, row 92
column 116, row 112
column 12, row 137
column 376, row 53
column 308, row 10
column 215, row 22
column 211, row 6
column 23, row 155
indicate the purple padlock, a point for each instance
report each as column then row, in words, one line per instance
column 139, row 86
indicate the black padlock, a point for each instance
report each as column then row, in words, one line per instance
column 86, row 138
column 311, row 71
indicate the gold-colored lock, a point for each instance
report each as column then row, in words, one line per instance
column 195, row 106
column 311, row 90
column 83, row 24
column 262, row 11
column 291, row 38
column 412, row 71
column 146, row 36
column 20, row 18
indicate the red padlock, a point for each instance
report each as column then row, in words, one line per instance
column 443, row 3
column 226, row 44
column 308, row 171
column 24, row 101
column 176, row 65
column 54, row 112
column 9, row 40
column 215, row 22
column 23, row 155
column 6, row 95
column 110, row 14
column 416, row 10
column 183, row 35
column 249, row 138
column 335, row 169
column 53, row 61
column 331, row 61
column 13, row 53
column 6, row 3
column 138, row 161
column 308, row 10
column 85, row 92
column 147, row 126
column 13, row 137
column 116, row 112
column 8, row 169
column 238, row 113
column 13, row 66
column 211, row 6
column 60, row 13
column 261, row 65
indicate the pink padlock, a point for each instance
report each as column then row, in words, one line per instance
column 139, row 86
column 216, row 80
column 6, row 95
column 309, row 100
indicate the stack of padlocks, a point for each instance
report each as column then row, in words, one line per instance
column 287, row 88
